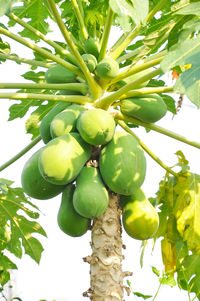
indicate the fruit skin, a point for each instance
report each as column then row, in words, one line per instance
column 62, row 158
column 122, row 164
column 46, row 121
column 90, row 61
column 58, row 74
column 34, row 184
column 139, row 217
column 65, row 121
column 96, row 126
column 147, row 108
column 92, row 47
column 107, row 68
column 69, row 221
column 90, row 197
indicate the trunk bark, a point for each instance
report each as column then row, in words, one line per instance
column 106, row 259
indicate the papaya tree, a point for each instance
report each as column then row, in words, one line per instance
column 84, row 98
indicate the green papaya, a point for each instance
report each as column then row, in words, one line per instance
column 46, row 121
column 90, row 61
column 92, row 46
column 107, row 68
column 69, row 221
column 62, row 158
column 34, row 184
column 65, row 121
column 58, row 74
column 90, row 197
column 122, row 164
column 140, row 219
column 147, row 108
column 96, row 126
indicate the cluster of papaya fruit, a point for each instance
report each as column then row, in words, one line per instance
column 85, row 158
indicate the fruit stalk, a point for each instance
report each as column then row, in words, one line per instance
column 83, row 88
column 158, row 129
column 43, row 37
column 106, row 259
column 106, row 101
column 20, row 60
column 21, row 153
column 107, row 28
column 42, row 51
column 80, row 19
column 66, row 98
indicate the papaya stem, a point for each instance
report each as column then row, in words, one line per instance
column 49, row 97
column 148, row 90
column 25, row 61
column 146, row 149
column 21, row 153
column 121, row 39
column 129, row 55
column 80, row 19
column 106, row 33
column 43, row 37
column 107, row 100
column 94, row 88
column 42, row 51
column 137, row 68
column 116, row 53
column 158, row 129
column 83, row 88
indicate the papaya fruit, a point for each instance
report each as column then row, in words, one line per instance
column 46, row 121
column 107, row 68
column 122, row 164
column 65, row 121
column 92, row 46
column 90, row 197
column 147, row 108
column 90, row 61
column 140, row 219
column 69, row 221
column 58, row 74
column 33, row 184
column 96, row 126
column 62, row 158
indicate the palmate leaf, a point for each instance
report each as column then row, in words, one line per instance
column 187, row 210
column 189, row 274
column 37, row 13
column 18, row 224
column 134, row 9
column 5, row 266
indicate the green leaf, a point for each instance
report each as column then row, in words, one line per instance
column 189, row 274
column 127, row 10
column 187, row 210
column 191, row 9
column 16, row 229
column 155, row 271
column 168, row 281
column 5, row 6
column 145, row 297
column 170, row 103
column 182, row 54
column 5, row 265
column 188, row 82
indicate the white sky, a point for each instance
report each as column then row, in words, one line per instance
column 62, row 275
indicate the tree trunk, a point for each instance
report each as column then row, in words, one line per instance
column 106, row 259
